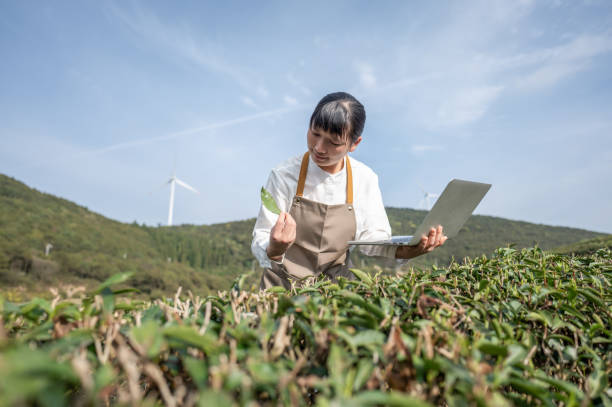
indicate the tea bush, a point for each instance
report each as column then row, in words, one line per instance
column 520, row 328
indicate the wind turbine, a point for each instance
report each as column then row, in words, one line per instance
column 173, row 181
column 426, row 201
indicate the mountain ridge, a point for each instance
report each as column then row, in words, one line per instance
column 88, row 247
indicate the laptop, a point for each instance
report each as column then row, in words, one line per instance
column 451, row 210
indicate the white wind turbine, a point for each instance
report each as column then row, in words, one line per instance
column 173, row 181
column 427, row 200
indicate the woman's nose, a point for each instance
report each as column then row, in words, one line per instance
column 319, row 146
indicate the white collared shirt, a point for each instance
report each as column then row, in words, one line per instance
column 330, row 189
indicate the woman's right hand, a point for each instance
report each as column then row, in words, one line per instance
column 282, row 236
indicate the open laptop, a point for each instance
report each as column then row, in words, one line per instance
column 451, row 210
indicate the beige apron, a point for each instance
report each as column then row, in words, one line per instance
column 322, row 233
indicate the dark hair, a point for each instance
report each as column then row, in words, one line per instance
column 339, row 113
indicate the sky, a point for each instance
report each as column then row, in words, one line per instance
column 101, row 101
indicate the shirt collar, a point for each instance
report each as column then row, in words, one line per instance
column 320, row 173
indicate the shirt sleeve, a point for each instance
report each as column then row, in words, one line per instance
column 266, row 219
column 375, row 223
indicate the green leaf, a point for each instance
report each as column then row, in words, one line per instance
column 494, row 349
column 113, row 280
column 369, row 337
column 531, row 388
column 541, row 316
column 197, row 370
column 214, row 398
column 268, row 201
column 597, row 380
column 103, row 377
column 362, row 276
column 364, row 371
column 276, row 290
column 392, row 398
column 567, row 387
column 149, row 337
column 263, row 372
column 337, row 362
column 189, row 336
column 516, row 354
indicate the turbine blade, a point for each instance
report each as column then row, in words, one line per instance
column 181, row 183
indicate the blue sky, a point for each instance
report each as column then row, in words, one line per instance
column 98, row 100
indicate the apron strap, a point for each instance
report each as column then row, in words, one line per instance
column 302, row 178
column 304, row 170
column 349, row 182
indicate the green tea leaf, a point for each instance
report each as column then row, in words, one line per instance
column 191, row 337
column 149, row 337
column 362, row 276
column 268, row 201
column 113, row 280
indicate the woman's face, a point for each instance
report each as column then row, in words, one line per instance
column 328, row 150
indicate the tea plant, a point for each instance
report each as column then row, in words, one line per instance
column 521, row 328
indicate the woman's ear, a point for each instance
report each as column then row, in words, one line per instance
column 354, row 145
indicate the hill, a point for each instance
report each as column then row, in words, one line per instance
column 586, row 246
column 88, row 248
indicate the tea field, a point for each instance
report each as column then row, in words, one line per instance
column 521, row 327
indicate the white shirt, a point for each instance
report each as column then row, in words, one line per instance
column 330, row 189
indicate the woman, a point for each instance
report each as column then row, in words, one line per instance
column 326, row 199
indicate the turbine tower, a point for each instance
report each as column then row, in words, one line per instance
column 173, row 181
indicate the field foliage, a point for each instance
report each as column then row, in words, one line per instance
column 519, row 328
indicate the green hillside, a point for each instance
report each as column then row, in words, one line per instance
column 484, row 234
column 88, row 248
column 586, row 246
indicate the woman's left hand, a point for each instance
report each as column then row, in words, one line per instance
column 434, row 239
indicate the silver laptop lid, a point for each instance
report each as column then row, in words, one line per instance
column 452, row 209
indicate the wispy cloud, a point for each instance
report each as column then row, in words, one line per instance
column 249, row 102
column 423, row 148
column 366, row 75
column 269, row 114
column 407, row 81
column 290, row 101
column 456, row 74
column 262, row 91
column 467, row 106
column 178, row 39
column 293, row 81
column 551, row 65
column 195, row 130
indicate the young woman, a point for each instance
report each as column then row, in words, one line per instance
column 326, row 199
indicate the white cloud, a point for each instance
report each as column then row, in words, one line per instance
column 290, row 101
column 423, row 148
column 554, row 64
column 249, row 102
column 298, row 84
column 409, row 81
column 262, row 91
column 366, row 75
column 548, row 75
column 182, row 133
column 467, row 105
column 179, row 40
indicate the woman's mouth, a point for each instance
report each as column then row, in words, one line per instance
column 319, row 157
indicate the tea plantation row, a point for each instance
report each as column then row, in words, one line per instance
column 520, row 328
